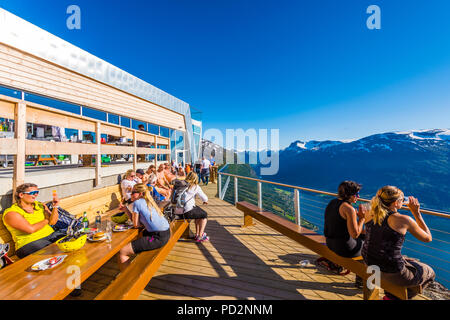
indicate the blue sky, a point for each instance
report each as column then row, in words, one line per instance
column 309, row 68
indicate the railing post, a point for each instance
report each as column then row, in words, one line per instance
column 235, row 190
column 259, row 195
column 297, row 206
column 219, row 181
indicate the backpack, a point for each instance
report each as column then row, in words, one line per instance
column 4, row 259
column 65, row 219
column 178, row 199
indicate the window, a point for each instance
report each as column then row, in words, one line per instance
column 57, row 104
column 137, row 123
column 95, row 114
column 153, row 129
column 164, row 132
column 112, row 118
column 125, row 122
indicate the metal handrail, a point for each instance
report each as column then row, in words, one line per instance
column 425, row 211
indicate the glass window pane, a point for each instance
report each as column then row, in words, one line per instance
column 153, row 129
column 57, row 104
column 196, row 130
column 136, row 124
column 112, row 118
column 95, row 114
column 164, row 132
column 125, row 122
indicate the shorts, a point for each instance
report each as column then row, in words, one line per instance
column 414, row 273
column 37, row 245
column 151, row 241
column 195, row 213
column 346, row 248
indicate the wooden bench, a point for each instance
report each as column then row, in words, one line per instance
column 317, row 243
column 129, row 284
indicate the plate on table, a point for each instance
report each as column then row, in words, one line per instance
column 90, row 237
column 122, row 227
column 45, row 264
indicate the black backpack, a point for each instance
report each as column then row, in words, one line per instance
column 178, row 199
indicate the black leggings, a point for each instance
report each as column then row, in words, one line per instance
column 37, row 245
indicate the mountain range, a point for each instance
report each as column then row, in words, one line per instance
column 418, row 162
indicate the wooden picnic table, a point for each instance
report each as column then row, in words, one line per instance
column 19, row 282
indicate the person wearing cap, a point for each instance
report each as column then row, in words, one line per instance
column 141, row 176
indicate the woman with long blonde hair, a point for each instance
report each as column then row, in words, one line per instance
column 191, row 211
column 145, row 213
column 385, row 234
column 128, row 181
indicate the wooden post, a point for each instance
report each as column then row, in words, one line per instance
column 297, row 206
column 98, row 161
column 259, row 194
column 370, row 294
column 20, row 120
column 156, row 154
column 135, row 151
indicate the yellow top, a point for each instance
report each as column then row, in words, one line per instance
column 22, row 238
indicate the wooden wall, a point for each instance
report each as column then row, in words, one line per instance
column 24, row 71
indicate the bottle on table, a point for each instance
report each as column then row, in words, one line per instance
column 98, row 220
column 85, row 220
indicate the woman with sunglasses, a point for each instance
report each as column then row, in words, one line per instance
column 128, row 181
column 344, row 224
column 144, row 213
column 385, row 234
column 29, row 221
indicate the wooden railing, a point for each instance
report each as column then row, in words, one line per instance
column 23, row 112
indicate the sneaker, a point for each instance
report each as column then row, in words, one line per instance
column 203, row 238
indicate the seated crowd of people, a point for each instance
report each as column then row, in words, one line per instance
column 33, row 226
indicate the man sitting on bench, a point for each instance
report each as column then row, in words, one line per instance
column 145, row 213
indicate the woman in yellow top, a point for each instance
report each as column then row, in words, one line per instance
column 29, row 221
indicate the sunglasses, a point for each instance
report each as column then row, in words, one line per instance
column 357, row 195
column 133, row 192
column 31, row 193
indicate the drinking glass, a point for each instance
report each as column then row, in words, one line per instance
column 108, row 231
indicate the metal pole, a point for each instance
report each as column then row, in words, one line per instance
column 297, row 206
column 260, row 195
column 235, row 190
column 219, row 180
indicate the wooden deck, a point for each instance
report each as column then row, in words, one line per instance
column 245, row 264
